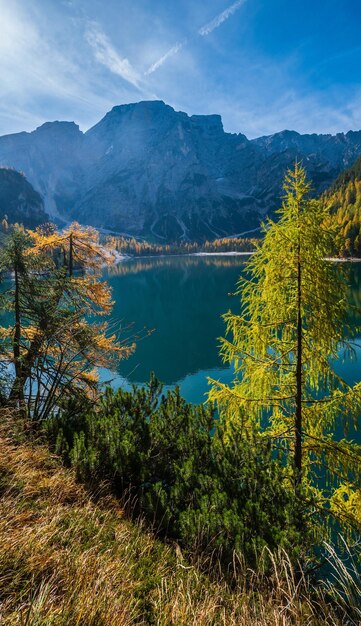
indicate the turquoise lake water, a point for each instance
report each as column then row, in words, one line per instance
column 181, row 300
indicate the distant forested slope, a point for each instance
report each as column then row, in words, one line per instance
column 19, row 202
column 344, row 200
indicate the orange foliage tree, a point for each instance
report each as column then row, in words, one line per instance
column 58, row 336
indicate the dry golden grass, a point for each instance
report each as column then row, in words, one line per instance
column 66, row 560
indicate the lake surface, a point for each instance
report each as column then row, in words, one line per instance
column 182, row 299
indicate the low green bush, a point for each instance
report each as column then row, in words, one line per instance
column 210, row 489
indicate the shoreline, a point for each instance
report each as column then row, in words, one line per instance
column 128, row 257
column 344, row 259
column 125, row 257
column 231, row 253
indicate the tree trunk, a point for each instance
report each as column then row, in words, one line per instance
column 71, row 255
column 16, row 396
column 298, row 420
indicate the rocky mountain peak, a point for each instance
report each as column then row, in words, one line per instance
column 141, row 113
column 58, row 128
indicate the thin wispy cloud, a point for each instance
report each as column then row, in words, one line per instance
column 205, row 30
column 208, row 28
column 56, row 74
column 75, row 61
column 171, row 52
column 107, row 55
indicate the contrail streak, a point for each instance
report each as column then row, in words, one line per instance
column 219, row 19
column 171, row 52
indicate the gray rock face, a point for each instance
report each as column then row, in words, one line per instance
column 148, row 170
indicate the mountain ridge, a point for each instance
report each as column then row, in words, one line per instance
column 148, row 170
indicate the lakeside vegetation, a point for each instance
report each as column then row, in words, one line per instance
column 134, row 247
column 242, row 497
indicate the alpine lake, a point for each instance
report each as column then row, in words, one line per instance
column 172, row 307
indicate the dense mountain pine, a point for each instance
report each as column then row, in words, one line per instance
column 19, row 201
column 147, row 170
column 175, row 464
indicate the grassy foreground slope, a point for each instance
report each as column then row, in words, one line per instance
column 67, row 559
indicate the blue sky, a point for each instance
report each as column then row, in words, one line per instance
column 264, row 65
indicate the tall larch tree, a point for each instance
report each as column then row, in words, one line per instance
column 292, row 328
